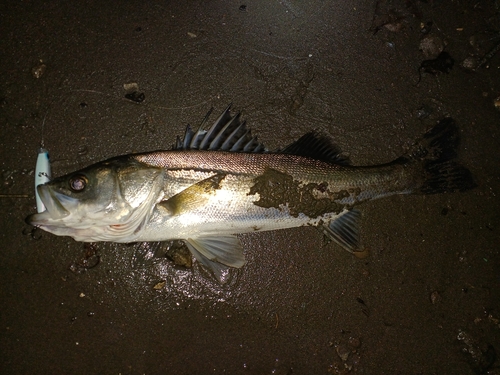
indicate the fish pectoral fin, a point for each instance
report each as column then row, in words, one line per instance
column 194, row 196
column 345, row 230
column 217, row 253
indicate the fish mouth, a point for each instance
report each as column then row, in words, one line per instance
column 53, row 202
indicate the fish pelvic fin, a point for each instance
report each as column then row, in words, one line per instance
column 435, row 157
column 217, row 253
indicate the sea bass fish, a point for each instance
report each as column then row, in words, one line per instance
column 219, row 182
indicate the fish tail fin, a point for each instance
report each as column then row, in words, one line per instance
column 436, row 154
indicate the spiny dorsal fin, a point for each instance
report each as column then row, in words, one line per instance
column 227, row 133
column 316, row 146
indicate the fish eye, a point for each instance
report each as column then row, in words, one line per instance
column 78, row 183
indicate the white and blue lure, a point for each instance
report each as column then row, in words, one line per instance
column 42, row 175
column 42, row 171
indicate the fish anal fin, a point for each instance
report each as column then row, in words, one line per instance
column 194, row 196
column 345, row 230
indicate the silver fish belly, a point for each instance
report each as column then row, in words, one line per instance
column 219, row 182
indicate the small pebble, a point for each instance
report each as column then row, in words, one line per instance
column 435, row 297
column 426, row 27
column 362, row 254
column 343, row 352
column 131, row 86
column 83, row 150
column 160, row 285
column 431, row 46
column 496, row 103
column 470, row 63
column 424, row 111
column 354, row 342
column 38, row 70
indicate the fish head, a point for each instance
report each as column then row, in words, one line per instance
column 108, row 201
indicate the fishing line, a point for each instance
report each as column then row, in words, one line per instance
column 43, row 128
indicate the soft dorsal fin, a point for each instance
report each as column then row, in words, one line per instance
column 316, row 146
column 228, row 133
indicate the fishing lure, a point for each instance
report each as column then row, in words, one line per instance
column 42, row 170
column 42, row 175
